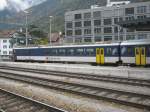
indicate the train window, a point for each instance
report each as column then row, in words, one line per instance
column 80, row 51
column 71, row 52
column 109, row 51
column 129, row 50
column 46, row 51
column 62, row 51
column 123, row 50
column 97, row 52
column 89, row 51
column 114, row 52
column 54, row 51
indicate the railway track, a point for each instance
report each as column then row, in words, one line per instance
column 10, row 102
column 120, row 80
column 113, row 95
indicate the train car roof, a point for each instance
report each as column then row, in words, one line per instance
column 136, row 42
column 68, row 46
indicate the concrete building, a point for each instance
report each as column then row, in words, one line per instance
column 5, row 48
column 5, row 45
column 99, row 24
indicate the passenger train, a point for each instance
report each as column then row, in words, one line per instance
column 133, row 52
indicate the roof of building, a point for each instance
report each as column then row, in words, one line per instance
column 6, row 33
column 55, row 37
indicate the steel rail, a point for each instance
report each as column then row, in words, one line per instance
column 120, row 80
column 15, row 102
column 113, row 95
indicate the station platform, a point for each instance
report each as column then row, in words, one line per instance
column 120, row 71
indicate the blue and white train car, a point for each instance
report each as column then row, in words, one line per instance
column 98, row 53
column 136, row 52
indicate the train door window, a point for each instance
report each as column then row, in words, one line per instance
column 137, row 52
column 102, row 52
column 143, row 51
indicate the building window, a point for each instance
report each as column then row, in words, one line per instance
column 130, row 30
column 5, row 47
column 130, row 37
column 107, row 22
column 87, row 39
column 10, row 46
column 141, row 9
column 141, row 17
column 116, row 20
column 87, row 15
column 5, row 52
column 115, row 29
column 97, row 30
column 87, row 23
column 97, row 14
column 108, row 30
column 98, row 38
column 129, row 11
column 78, row 32
column 78, row 40
column 107, row 38
column 10, row 52
column 69, row 33
column 142, row 36
column 78, row 16
column 97, row 22
column 69, row 25
column 130, row 18
column 87, row 31
column 4, row 41
column 78, row 24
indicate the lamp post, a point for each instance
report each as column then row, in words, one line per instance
column 60, row 39
column 118, row 7
column 50, row 30
column 26, row 14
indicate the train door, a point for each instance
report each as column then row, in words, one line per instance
column 140, row 56
column 98, row 60
column 143, row 56
column 100, row 56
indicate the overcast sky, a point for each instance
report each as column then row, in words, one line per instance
column 19, row 4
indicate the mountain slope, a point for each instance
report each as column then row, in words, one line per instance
column 39, row 14
column 10, row 7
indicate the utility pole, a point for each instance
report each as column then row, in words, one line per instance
column 50, row 30
column 26, row 14
column 118, row 7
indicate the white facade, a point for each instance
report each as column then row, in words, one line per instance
column 100, row 23
column 5, row 48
